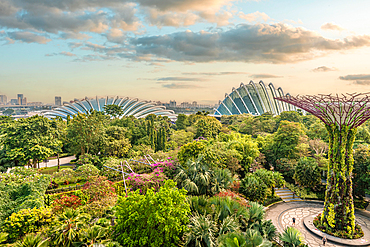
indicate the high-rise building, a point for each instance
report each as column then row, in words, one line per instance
column 24, row 101
column 194, row 104
column 3, row 99
column 58, row 100
column 172, row 103
column 20, row 98
column 14, row 101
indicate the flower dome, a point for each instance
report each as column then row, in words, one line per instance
column 130, row 106
column 254, row 99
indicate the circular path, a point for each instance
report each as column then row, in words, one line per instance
column 281, row 215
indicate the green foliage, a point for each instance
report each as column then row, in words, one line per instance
column 22, row 193
column 207, row 127
column 288, row 142
column 182, row 122
column 85, row 171
column 154, row 219
column 287, row 168
column 253, row 188
column 27, row 221
column 361, row 171
column 32, row 138
column 199, row 179
column 307, row 173
column 292, row 237
column 116, row 144
column 113, row 110
column 250, row 238
column 65, row 176
column 85, row 133
column 181, row 137
column 32, row 240
column 191, row 150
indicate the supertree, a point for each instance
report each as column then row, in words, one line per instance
column 341, row 115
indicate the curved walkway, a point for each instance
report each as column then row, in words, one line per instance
column 281, row 215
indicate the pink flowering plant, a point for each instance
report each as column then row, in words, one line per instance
column 143, row 182
column 168, row 167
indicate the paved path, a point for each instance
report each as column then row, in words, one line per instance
column 286, row 195
column 281, row 215
column 54, row 162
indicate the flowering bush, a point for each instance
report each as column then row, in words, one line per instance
column 26, row 221
column 66, row 201
column 19, row 178
column 87, row 170
column 98, row 188
column 23, row 171
column 143, row 182
column 234, row 196
column 168, row 167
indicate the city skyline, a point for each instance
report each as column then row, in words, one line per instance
column 185, row 50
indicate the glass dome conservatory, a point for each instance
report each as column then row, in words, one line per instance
column 130, row 106
column 254, row 99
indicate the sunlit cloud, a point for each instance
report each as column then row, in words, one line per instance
column 331, row 26
column 324, row 69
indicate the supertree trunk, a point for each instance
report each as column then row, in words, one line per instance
column 338, row 208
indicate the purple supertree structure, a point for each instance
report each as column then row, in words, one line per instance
column 341, row 115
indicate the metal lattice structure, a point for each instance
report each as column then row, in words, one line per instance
column 253, row 98
column 341, row 115
column 130, row 106
column 352, row 109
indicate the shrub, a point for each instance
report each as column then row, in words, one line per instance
column 86, row 171
column 191, row 150
column 307, row 173
column 66, row 201
column 253, row 188
column 27, row 221
column 286, row 168
column 98, row 188
column 23, row 171
column 143, row 182
column 109, row 173
column 153, row 219
column 234, row 196
column 65, row 176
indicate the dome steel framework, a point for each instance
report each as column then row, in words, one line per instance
column 130, row 106
column 254, row 99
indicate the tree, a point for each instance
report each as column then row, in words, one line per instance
column 208, row 127
column 191, row 150
column 8, row 112
column 86, row 132
column 253, row 188
column 307, row 173
column 182, row 122
column 30, row 139
column 292, row 237
column 361, row 179
column 116, row 144
column 114, row 111
column 288, row 141
column 154, row 219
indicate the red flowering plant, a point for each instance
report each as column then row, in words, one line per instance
column 235, row 186
column 234, row 196
column 66, row 201
column 98, row 188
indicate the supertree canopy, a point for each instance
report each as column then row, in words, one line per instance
column 341, row 115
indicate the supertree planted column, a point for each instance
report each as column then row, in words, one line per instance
column 341, row 115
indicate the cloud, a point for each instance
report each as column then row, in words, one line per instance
column 215, row 73
column 265, row 76
column 256, row 16
column 360, row 79
column 63, row 53
column 25, row 37
column 331, row 26
column 324, row 69
column 180, row 79
column 184, row 5
column 259, row 43
column 180, row 86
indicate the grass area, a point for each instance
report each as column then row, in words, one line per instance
column 51, row 170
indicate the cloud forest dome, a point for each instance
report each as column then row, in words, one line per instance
column 130, row 106
column 255, row 99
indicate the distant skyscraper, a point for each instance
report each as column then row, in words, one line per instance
column 58, row 100
column 172, row 103
column 20, row 98
column 14, row 101
column 3, row 99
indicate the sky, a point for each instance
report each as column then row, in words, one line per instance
column 183, row 50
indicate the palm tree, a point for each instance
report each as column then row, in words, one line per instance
column 256, row 213
column 196, row 177
column 95, row 235
column 199, row 204
column 31, row 240
column 68, row 232
column 202, row 232
column 222, row 179
column 291, row 237
column 250, row 238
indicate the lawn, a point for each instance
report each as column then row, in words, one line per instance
column 51, row 170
